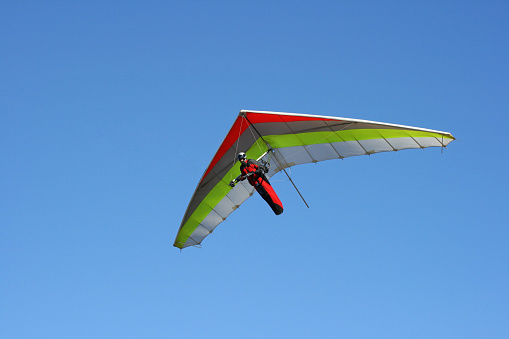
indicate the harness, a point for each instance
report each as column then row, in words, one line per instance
column 248, row 171
column 252, row 178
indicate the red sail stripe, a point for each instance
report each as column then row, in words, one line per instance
column 237, row 129
column 240, row 126
column 256, row 118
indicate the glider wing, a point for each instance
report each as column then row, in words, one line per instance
column 287, row 139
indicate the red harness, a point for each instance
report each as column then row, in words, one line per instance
column 254, row 178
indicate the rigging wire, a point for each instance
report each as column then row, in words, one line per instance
column 236, row 147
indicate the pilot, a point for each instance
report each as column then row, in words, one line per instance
column 255, row 174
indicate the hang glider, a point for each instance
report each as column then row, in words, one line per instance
column 285, row 140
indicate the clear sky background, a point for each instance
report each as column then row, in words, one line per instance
column 110, row 111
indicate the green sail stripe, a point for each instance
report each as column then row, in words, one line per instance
column 313, row 138
column 220, row 191
column 217, row 194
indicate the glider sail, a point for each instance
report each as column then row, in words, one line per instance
column 285, row 140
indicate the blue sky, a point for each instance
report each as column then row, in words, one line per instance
column 110, row 111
